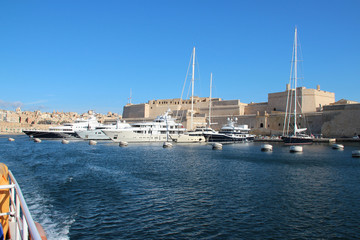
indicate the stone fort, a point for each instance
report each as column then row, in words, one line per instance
column 320, row 113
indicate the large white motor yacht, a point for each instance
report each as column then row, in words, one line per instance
column 159, row 130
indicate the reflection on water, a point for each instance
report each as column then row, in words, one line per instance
column 143, row 191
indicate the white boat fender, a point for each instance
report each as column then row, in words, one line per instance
column 92, row 142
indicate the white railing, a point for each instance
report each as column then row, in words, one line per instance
column 21, row 224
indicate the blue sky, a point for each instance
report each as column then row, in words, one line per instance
column 78, row 55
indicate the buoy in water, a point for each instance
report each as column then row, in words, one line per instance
column 167, row 145
column 295, row 149
column 38, row 140
column 11, row 140
column 92, row 142
column 356, row 153
column 123, row 144
column 64, row 141
column 266, row 148
column 338, row 146
column 217, row 146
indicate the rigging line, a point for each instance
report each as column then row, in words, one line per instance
column 182, row 92
column 287, row 123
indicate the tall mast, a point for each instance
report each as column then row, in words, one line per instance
column 192, row 90
column 210, row 101
column 295, row 76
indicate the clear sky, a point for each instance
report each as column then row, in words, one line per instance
column 76, row 55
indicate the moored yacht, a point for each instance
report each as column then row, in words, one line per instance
column 298, row 136
column 230, row 132
column 68, row 130
column 159, row 130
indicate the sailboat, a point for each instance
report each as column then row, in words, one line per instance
column 297, row 137
column 190, row 136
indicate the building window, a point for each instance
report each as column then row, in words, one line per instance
column 261, row 125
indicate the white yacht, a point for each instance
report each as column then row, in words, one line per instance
column 231, row 132
column 98, row 134
column 159, row 130
column 68, row 130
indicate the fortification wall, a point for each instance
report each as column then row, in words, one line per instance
column 253, row 108
column 341, row 120
column 136, row 111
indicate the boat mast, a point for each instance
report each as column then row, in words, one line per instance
column 210, row 101
column 192, row 90
column 295, row 80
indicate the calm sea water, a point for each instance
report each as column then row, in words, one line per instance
column 143, row 191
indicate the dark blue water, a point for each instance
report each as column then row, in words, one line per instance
column 78, row 191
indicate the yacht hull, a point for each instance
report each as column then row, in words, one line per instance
column 226, row 138
column 50, row 134
column 131, row 137
column 293, row 140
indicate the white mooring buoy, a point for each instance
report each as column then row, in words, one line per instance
column 123, row 144
column 92, row 142
column 217, row 146
column 167, row 145
column 295, row 149
column 64, row 141
column 266, row 148
column 337, row 146
column 356, row 153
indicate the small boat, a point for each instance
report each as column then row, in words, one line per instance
column 338, row 146
column 11, row 139
column 167, row 145
column 123, row 144
column 356, row 153
column 295, row 149
column 37, row 140
column 266, row 148
column 16, row 220
column 217, row 146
